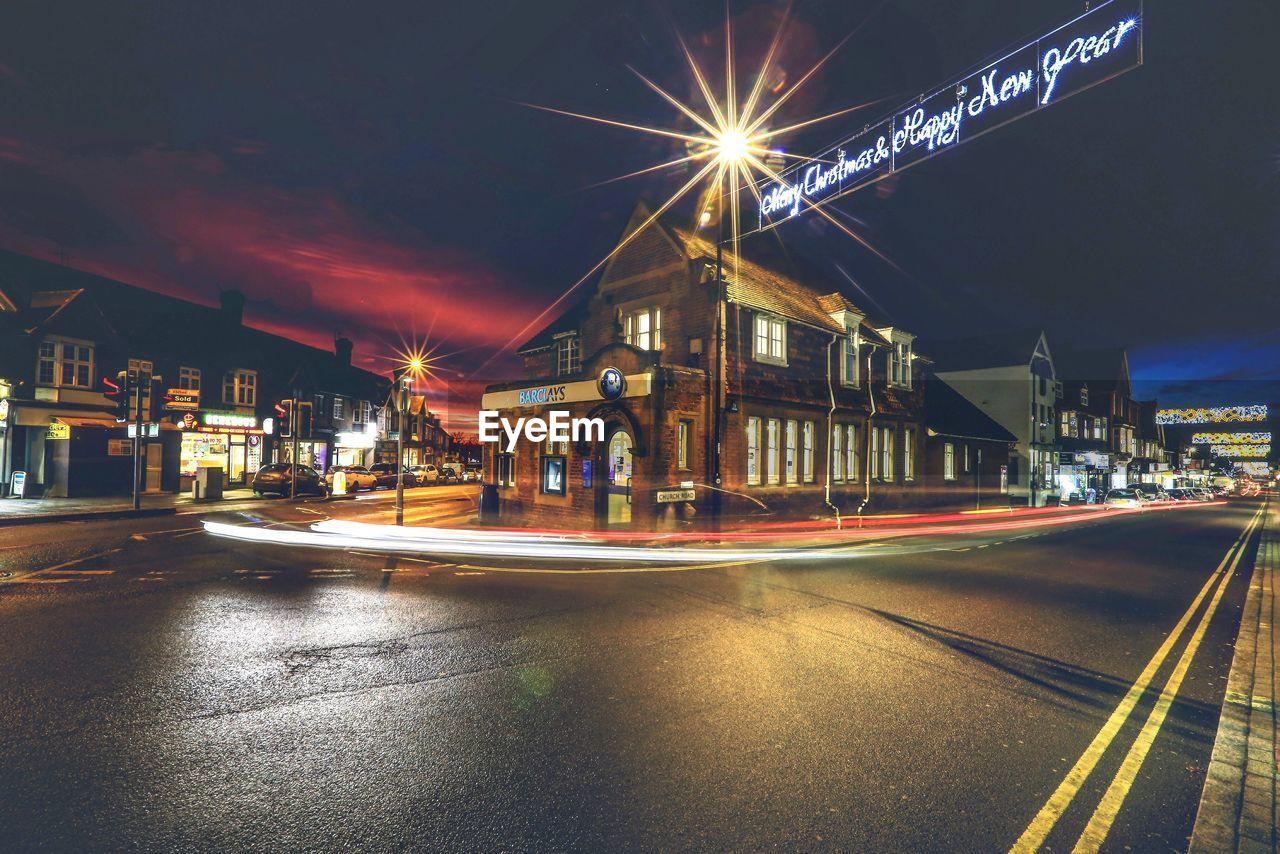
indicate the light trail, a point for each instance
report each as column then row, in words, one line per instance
column 603, row 546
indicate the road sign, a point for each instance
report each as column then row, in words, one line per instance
column 1093, row 48
column 672, row 496
column 58, row 430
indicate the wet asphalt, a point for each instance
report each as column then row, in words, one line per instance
column 168, row 690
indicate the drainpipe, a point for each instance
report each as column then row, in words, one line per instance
column 871, row 399
column 831, row 393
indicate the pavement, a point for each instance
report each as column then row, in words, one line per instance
column 1241, row 799
column 28, row 511
column 167, row 689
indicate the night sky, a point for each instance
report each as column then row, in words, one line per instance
column 366, row 169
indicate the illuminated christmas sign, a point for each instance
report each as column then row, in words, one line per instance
column 1248, row 438
column 1241, row 452
column 1212, row 415
column 1091, row 49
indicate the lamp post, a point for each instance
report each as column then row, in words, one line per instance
column 402, row 407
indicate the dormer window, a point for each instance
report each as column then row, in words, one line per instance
column 770, row 340
column 850, row 353
column 568, row 356
column 900, row 364
column 65, row 362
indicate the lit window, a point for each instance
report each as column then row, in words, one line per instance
column 189, row 378
column 770, row 340
column 850, row 351
column 568, row 356
column 339, row 408
column 1004, row 478
column 753, row 450
column 851, row 452
column 64, row 363
column 875, row 453
column 806, row 455
column 360, row 413
column 771, row 460
column 837, row 453
column 793, row 473
column 643, row 328
column 683, row 431
column 965, row 452
column 949, row 461
column 908, row 454
column 886, row 453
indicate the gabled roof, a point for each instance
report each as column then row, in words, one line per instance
column 1098, row 366
column 998, row 350
column 570, row 321
column 949, row 413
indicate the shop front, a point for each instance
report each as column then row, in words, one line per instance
column 227, row 440
column 311, row 452
column 1084, row 477
column 354, row 447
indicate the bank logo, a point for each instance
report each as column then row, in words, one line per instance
column 612, row 383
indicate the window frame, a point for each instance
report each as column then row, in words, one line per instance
column 764, row 327
column 850, row 356
column 684, row 434
column 908, row 454
column 83, row 358
column 808, row 432
column 188, row 375
column 753, row 450
column 568, row 355
column 900, row 365
column 652, row 334
column 948, row 461
column 791, row 447
column 773, row 473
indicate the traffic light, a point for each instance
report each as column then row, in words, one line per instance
column 118, row 392
column 284, row 418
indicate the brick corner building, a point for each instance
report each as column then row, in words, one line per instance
column 816, row 410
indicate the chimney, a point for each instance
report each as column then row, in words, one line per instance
column 342, row 349
column 232, row 306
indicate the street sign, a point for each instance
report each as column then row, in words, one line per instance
column 672, row 496
column 182, row 400
column 58, row 430
column 1091, row 49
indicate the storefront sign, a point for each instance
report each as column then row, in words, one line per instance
column 119, row 448
column 58, row 430
column 352, row 439
column 18, row 484
column 586, row 474
column 671, row 496
column 182, row 400
column 229, row 419
column 635, row 385
column 1091, row 49
column 4, row 414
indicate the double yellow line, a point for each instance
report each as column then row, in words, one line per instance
column 1095, row 832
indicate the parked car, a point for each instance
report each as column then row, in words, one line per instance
column 448, row 474
column 1130, row 498
column 426, row 474
column 1203, row 493
column 1149, row 492
column 358, row 478
column 386, row 475
column 471, row 474
column 277, row 479
column 1182, row 494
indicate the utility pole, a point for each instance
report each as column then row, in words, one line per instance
column 977, row 483
column 137, row 438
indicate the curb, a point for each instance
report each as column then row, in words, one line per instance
column 85, row 515
column 1238, row 806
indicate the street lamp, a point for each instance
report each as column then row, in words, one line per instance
column 402, row 406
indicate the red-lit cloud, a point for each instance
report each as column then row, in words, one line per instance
column 311, row 266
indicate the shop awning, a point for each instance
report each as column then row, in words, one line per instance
column 42, row 416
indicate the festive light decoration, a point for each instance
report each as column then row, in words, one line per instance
column 1094, row 47
column 1244, row 438
column 1263, row 469
column 1241, row 452
column 1212, row 414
